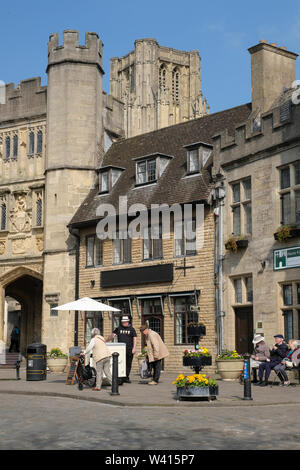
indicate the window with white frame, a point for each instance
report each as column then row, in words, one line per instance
column 241, row 207
column 146, row 171
column 108, row 176
column 290, row 194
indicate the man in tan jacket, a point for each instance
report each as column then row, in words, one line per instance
column 156, row 351
column 101, row 356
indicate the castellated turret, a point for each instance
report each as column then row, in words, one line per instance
column 74, row 135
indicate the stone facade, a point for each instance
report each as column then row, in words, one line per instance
column 52, row 139
column 159, row 86
column 258, row 167
column 196, row 281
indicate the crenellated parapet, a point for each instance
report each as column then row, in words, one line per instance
column 27, row 100
column 71, row 51
column 252, row 138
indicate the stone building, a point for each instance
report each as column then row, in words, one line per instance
column 52, row 139
column 158, row 86
column 153, row 279
column 258, row 167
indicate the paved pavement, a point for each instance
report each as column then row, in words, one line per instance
column 54, row 423
column 52, row 415
column 138, row 393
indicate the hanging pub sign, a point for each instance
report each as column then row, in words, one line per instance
column 286, row 258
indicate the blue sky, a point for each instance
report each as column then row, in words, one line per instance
column 222, row 31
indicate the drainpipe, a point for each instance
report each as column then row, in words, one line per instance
column 220, row 194
column 75, row 233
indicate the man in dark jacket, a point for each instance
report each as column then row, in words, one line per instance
column 15, row 339
column 277, row 353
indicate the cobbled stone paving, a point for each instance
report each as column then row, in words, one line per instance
column 62, row 423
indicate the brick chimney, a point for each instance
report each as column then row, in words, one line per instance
column 272, row 69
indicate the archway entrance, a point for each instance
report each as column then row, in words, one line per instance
column 27, row 291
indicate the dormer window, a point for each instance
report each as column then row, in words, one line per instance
column 149, row 169
column 197, row 156
column 108, row 176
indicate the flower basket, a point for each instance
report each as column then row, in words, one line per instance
column 233, row 244
column 230, row 365
column 57, row 361
column 196, row 386
column 285, row 232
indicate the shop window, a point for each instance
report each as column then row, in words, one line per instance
column 92, row 320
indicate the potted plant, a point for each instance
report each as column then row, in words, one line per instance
column 197, row 357
column 142, row 356
column 229, row 364
column 234, row 243
column 196, row 386
column 57, row 360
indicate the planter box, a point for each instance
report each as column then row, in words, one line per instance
column 197, row 361
column 57, row 365
column 294, row 232
column 196, row 331
column 230, row 369
column 197, row 392
column 240, row 244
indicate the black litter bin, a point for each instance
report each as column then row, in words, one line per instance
column 36, row 363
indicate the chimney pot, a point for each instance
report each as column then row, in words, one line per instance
column 263, row 41
column 273, row 44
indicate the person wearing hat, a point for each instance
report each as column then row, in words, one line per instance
column 277, row 354
column 261, row 354
column 156, row 351
column 127, row 334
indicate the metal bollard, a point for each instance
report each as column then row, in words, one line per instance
column 18, row 363
column 115, row 373
column 247, row 378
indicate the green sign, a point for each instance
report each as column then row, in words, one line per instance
column 287, row 258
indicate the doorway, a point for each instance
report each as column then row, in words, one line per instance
column 244, row 330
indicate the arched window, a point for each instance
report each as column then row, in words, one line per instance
column 175, row 84
column 39, row 142
column 39, row 212
column 31, row 143
column 3, row 216
column 15, row 146
column 7, row 147
column 162, row 77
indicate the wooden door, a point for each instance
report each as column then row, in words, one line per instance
column 244, row 330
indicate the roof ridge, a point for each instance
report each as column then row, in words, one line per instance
column 121, row 140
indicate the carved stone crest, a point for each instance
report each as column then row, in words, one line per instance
column 20, row 218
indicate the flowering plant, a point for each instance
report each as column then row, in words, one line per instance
column 143, row 354
column 227, row 354
column 196, row 380
column 196, row 352
column 56, row 353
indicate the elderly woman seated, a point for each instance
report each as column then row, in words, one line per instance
column 291, row 360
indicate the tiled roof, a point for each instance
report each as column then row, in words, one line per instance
column 172, row 187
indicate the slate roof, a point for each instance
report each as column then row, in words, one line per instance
column 171, row 187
